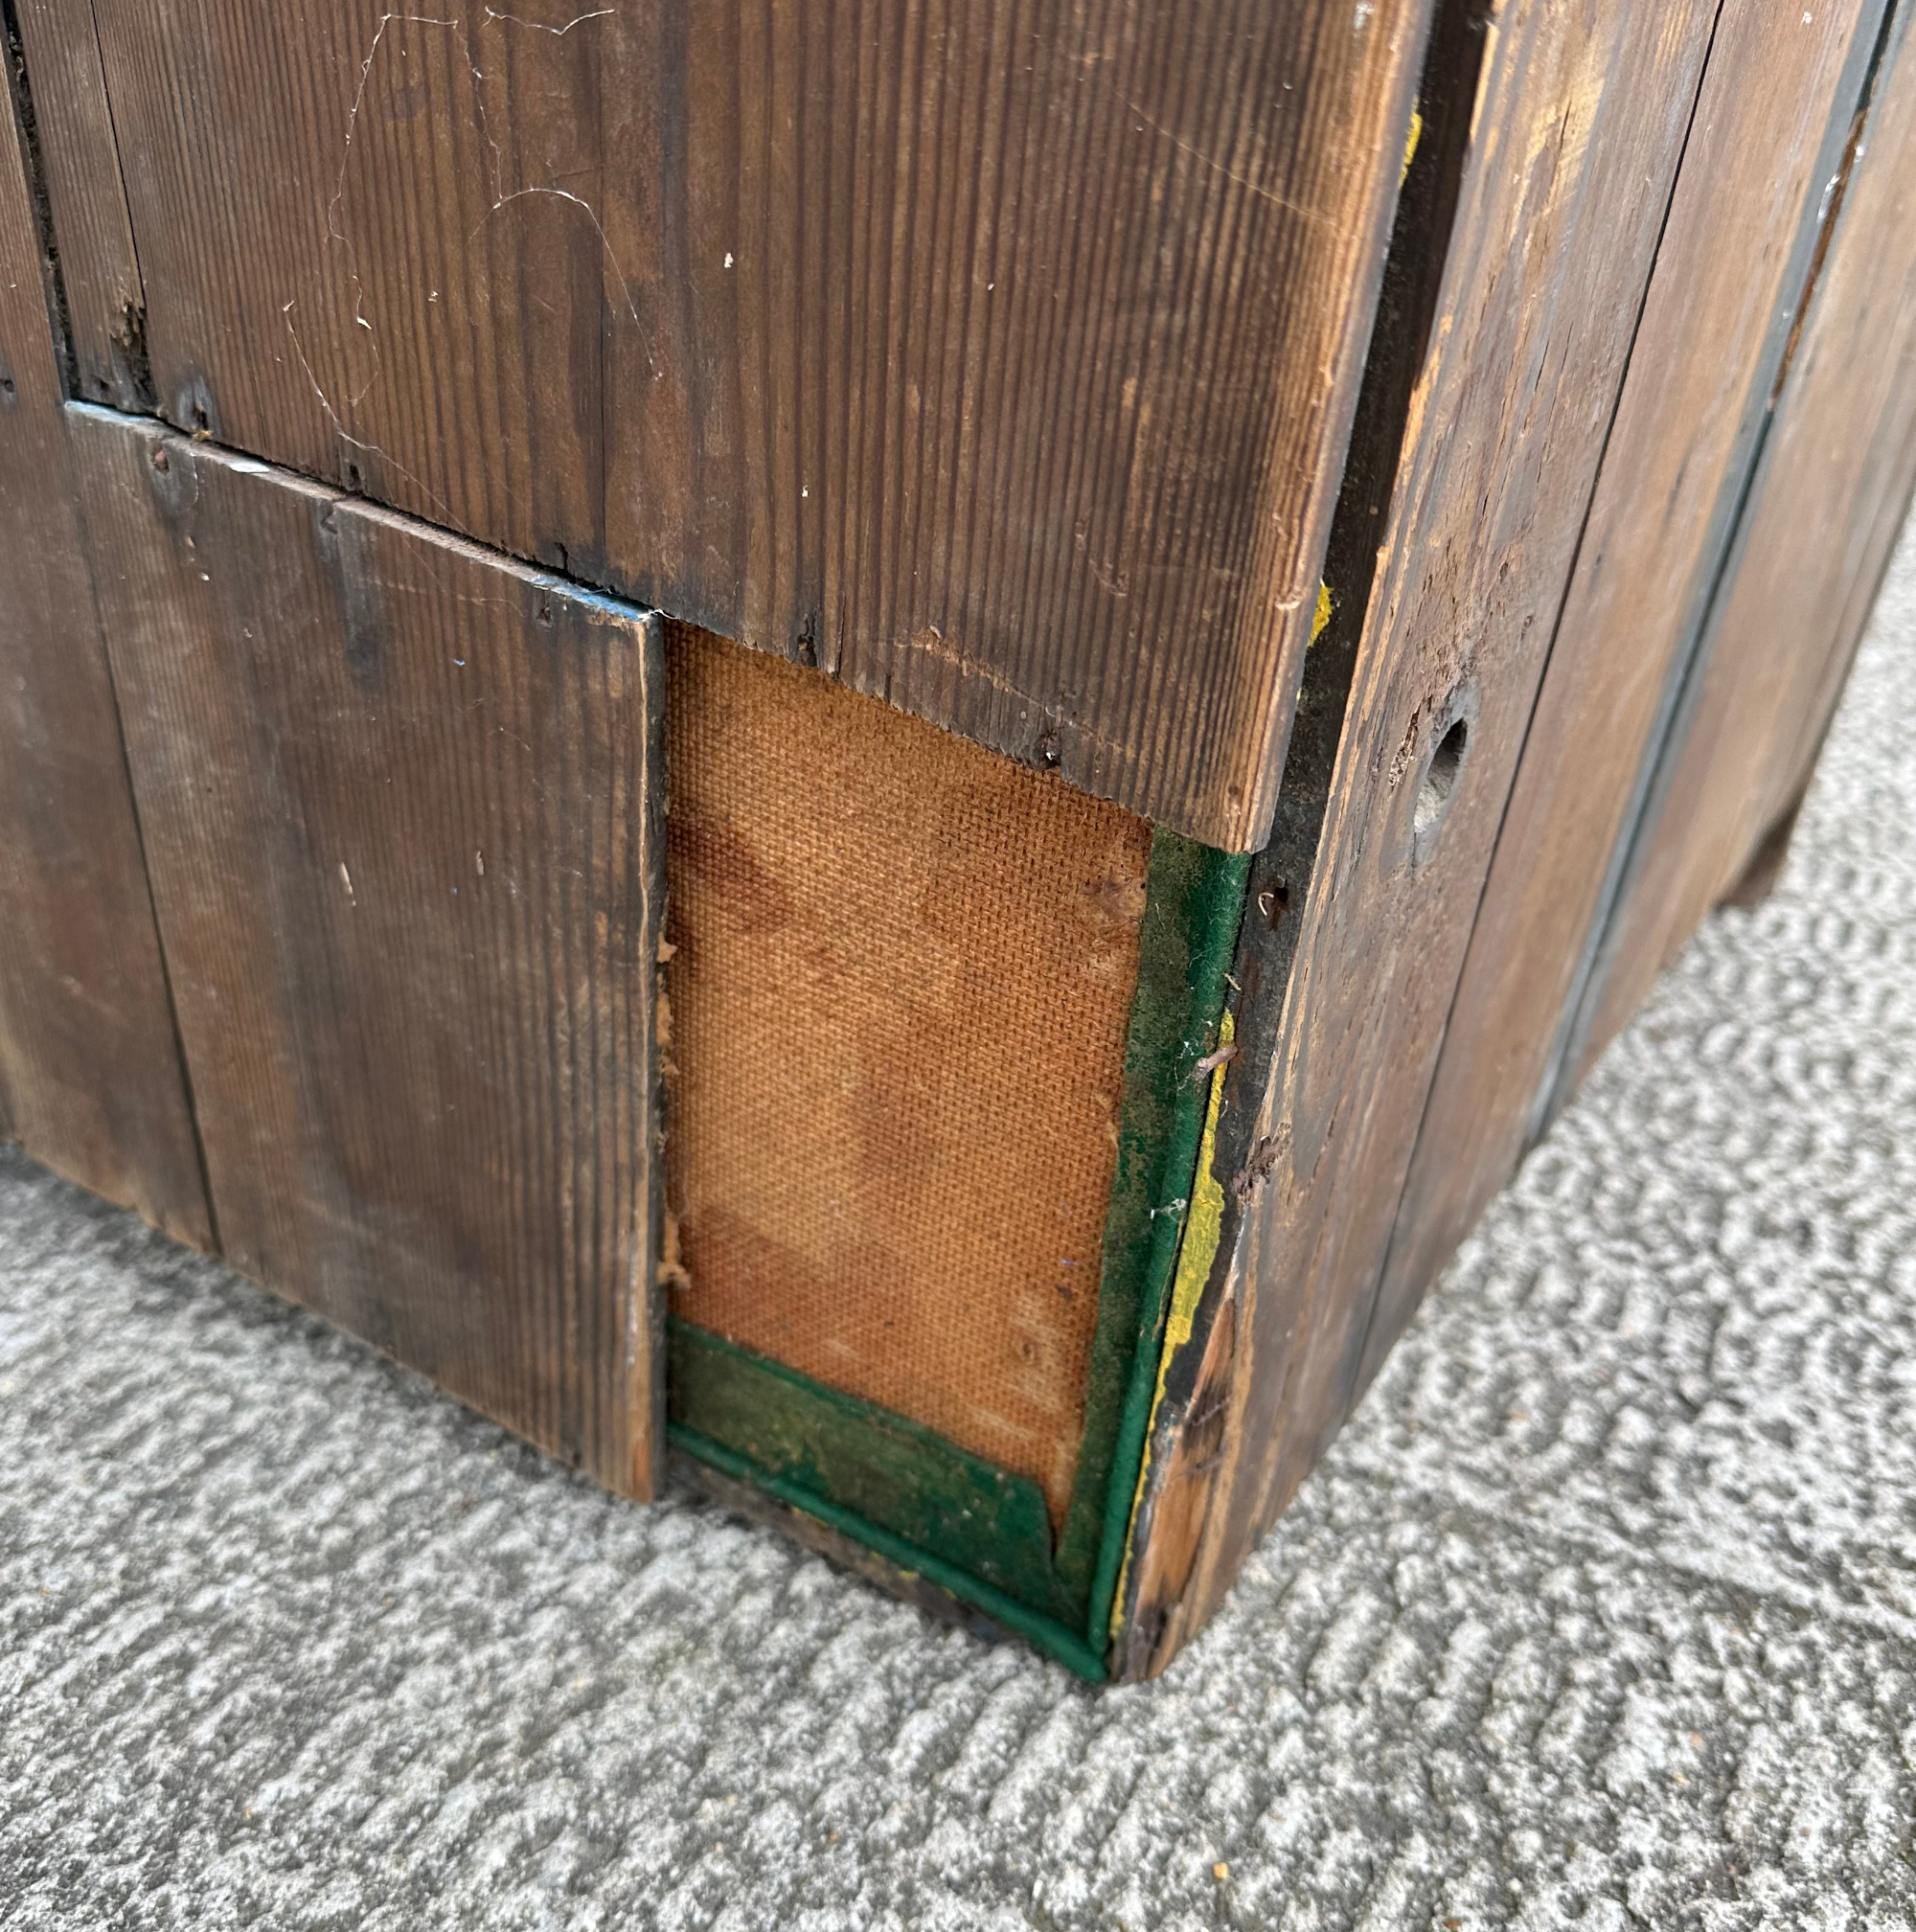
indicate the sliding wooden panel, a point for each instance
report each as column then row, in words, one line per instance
column 90, row 1078
column 995, row 358
column 1771, row 130
column 1829, row 504
column 398, row 800
column 1580, row 122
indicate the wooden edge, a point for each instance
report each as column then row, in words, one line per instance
column 62, row 84
column 1151, row 1621
column 1185, row 1457
column 1763, row 865
column 646, row 1293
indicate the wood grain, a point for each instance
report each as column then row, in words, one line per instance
column 996, row 357
column 1580, row 122
column 90, row 1076
column 1771, row 128
column 1835, row 485
column 399, row 804
column 106, row 304
column 1184, row 1459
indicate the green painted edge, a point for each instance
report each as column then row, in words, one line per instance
column 1194, row 910
column 795, row 1438
column 1057, row 1641
column 883, row 1468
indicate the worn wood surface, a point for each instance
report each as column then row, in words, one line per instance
column 997, row 358
column 90, row 1078
column 79, row 163
column 1184, row 1459
column 1830, row 500
column 1580, row 123
column 1771, row 128
column 399, row 800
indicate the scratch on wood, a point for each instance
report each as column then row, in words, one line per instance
column 498, row 197
column 1230, row 173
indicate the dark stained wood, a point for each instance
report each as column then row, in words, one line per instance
column 1580, row 123
column 1185, row 1458
column 399, row 804
column 1771, row 128
column 1830, row 500
column 90, row 1078
column 106, row 304
column 997, row 355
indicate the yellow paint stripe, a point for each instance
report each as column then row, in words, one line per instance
column 1196, row 1250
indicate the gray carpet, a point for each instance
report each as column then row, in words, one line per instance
column 1602, row 1613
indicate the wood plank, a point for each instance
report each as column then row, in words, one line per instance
column 996, row 357
column 1184, row 1435
column 1771, row 130
column 1835, row 482
column 89, row 1066
column 75, row 149
column 1580, row 122
column 400, row 799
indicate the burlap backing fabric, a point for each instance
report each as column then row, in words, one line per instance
column 898, row 1004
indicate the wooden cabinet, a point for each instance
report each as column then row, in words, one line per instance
column 908, row 741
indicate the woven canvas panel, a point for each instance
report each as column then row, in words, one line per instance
column 898, row 1005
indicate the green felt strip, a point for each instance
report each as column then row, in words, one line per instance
column 920, row 1500
column 882, row 1467
column 1044, row 1634
column 1196, row 904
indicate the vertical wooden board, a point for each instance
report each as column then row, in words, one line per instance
column 1771, row 128
column 1580, row 123
column 1830, row 501
column 399, row 800
column 90, row 1076
column 996, row 357
column 73, row 145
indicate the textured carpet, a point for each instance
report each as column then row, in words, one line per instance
column 1601, row 1612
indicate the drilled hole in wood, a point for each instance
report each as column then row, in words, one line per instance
column 7, row 391
column 353, row 479
column 1440, row 777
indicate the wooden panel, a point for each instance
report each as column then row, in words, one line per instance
column 1830, row 502
column 1771, row 128
column 1580, row 121
column 90, row 1078
column 401, row 831
column 106, row 307
column 996, row 357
